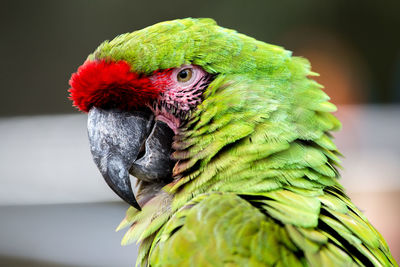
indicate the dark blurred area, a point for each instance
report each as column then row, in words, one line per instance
column 354, row 45
column 55, row 208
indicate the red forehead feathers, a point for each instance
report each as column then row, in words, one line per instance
column 110, row 84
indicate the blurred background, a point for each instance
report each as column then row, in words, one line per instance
column 56, row 210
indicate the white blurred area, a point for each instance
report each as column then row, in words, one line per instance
column 370, row 144
column 56, row 210
column 46, row 160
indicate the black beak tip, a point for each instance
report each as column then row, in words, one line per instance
column 117, row 177
column 132, row 201
column 124, row 191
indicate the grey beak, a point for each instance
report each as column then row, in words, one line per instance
column 156, row 164
column 116, row 139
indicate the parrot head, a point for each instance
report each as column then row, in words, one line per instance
column 134, row 117
column 165, row 101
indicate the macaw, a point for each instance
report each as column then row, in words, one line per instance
column 230, row 141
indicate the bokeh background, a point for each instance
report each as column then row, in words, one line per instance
column 55, row 209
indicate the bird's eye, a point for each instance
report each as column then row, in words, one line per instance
column 185, row 75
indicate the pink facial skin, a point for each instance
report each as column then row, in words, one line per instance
column 178, row 98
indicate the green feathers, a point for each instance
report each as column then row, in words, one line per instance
column 256, row 180
column 192, row 41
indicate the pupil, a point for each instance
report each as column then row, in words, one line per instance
column 183, row 74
